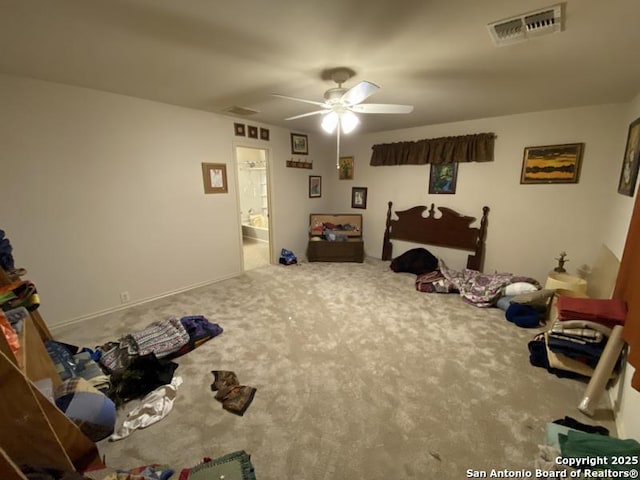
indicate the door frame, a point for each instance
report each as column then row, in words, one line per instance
column 236, row 165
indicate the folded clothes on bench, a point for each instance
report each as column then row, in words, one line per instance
column 609, row 312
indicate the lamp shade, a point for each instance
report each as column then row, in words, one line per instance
column 330, row 122
column 349, row 121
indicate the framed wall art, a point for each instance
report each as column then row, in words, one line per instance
column 252, row 131
column 299, row 144
column 552, row 164
column 443, row 178
column 264, row 134
column 239, row 130
column 345, row 170
column 315, row 186
column 214, row 177
column 629, row 173
column 359, row 197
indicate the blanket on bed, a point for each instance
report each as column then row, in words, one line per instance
column 481, row 289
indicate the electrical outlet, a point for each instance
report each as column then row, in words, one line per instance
column 124, row 297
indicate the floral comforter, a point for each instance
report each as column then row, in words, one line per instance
column 481, row 289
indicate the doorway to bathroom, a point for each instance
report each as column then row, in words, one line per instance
column 253, row 188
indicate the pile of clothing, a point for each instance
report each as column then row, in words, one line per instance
column 576, row 340
column 6, row 255
column 572, row 446
column 21, row 293
column 139, row 362
column 166, row 338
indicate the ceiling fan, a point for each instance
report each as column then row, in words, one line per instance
column 341, row 104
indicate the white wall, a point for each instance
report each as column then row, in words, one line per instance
column 528, row 224
column 626, row 400
column 102, row 193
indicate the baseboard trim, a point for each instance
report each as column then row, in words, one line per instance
column 89, row 316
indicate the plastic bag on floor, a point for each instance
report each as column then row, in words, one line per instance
column 287, row 257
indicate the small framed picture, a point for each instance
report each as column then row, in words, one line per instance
column 238, row 128
column 214, row 177
column 299, row 144
column 552, row 164
column 264, row 134
column 315, row 186
column 443, row 178
column 345, row 172
column 359, row 197
column 629, row 172
column 253, row 131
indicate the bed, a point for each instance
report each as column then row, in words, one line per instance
column 450, row 229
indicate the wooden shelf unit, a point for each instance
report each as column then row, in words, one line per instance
column 32, row 429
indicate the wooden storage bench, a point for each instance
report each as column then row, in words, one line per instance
column 335, row 238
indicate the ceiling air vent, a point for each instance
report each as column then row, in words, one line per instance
column 528, row 25
column 242, row 111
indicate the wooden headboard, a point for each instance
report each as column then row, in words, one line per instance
column 450, row 230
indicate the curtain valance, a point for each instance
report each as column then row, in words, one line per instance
column 464, row 148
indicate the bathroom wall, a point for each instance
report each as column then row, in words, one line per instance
column 252, row 182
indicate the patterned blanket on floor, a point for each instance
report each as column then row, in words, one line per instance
column 481, row 289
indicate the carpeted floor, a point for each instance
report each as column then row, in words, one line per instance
column 359, row 376
column 256, row 253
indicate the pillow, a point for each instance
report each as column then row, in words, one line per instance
column 416, row 261
column 539, row 297
column 518, row 288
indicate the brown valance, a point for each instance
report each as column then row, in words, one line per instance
column 465, row 148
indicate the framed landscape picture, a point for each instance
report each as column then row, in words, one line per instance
column 552, row 164
column 629, row 173
column 299, row 144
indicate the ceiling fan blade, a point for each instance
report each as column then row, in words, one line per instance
column 359, row 92
column 317, row 112
column 381, row 108
column 296, row 99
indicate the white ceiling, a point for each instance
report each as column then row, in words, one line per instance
column 434, row 54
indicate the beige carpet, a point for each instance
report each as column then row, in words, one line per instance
column 359, row 376
column 256, row 253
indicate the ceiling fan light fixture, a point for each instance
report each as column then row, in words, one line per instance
column 349, row 121
column 330, row 122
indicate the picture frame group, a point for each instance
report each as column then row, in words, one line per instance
column 251, row 131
